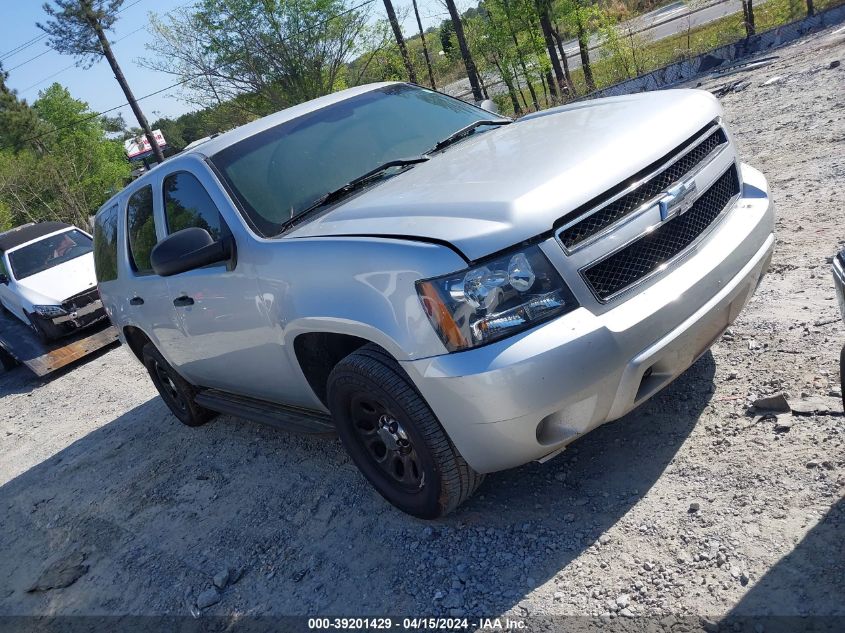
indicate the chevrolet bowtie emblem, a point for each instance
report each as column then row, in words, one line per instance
column 677, row 200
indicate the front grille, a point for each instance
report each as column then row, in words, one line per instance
column 81, row 300
column 629, row 265
column 649, row 190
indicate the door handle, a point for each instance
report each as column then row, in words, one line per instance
column 184, row 300
column 136, row 301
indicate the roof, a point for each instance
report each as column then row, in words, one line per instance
column 29, row 232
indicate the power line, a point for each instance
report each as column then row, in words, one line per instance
column 21, row 47
column 66, row 68
column 47, row 78
column 29, row 60
column 181, row 82
column 17, row 49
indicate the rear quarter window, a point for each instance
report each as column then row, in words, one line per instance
column 105, row 244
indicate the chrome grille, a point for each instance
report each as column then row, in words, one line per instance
column 596, row 222
column 632, row 263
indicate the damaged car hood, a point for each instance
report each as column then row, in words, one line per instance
column 508, row 184
column 62, row 281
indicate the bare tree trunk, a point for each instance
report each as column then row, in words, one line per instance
column 121, row 79
column 400, row 41
column 519, row 88
column 505, row 75
column 748, row 12
column 546, row 26
column 425, row 48
column 472, row 72
column 483, row 86
column 583, row 47
column 569, row 83
column 811, row 9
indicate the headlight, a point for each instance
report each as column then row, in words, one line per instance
column 496, row 299
column 50, row 311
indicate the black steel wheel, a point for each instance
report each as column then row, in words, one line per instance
column 394, row 437
column 383, row 437
column 178, row 394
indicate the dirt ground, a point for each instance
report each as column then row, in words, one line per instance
column 689, row 506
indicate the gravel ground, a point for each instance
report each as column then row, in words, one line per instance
column 689, row 506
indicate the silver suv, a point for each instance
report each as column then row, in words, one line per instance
column 452, row 292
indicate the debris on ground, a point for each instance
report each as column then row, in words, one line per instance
column 61, row 573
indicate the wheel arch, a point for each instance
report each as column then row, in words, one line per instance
column 136, row 338
column 317, row 353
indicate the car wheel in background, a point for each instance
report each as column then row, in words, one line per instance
column 176, row 392
column 394, row 438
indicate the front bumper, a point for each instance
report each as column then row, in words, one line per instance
column 84, row 317
column 528, row 396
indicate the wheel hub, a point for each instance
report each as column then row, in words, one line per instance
column 393, row 435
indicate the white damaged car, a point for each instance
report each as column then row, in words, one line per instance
column 47, row 278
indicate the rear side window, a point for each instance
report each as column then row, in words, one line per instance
column 187, row 204
column 141, row 228
column 105, row 244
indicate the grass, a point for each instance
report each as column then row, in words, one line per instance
column 643, row 57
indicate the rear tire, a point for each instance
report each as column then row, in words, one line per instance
column 178, row 394
column 394, row 437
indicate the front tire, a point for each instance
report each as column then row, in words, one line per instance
column 178, row 394
column 394, row 437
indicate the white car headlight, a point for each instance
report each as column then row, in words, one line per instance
column 50, row 311
column 495, row 299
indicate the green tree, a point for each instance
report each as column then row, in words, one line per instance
column 73, row 171
column 466, row 55
column 19, row 124
column 580, row 16
column 445, row 33
column 277, row 52
column 78, row 28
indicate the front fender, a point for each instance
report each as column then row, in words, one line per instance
column 362, row 287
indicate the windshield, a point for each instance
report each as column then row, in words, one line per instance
column 282, row 171
column 48, row 252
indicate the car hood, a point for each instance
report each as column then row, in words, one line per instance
column 54, row 285
column 509, row 184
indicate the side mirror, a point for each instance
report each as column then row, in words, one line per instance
column 489, row 105
column 189, row 249
column 4, row 279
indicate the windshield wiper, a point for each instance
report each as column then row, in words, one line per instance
column 352, row 185
column 466, row 131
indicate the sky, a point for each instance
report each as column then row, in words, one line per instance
column 36, row 67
